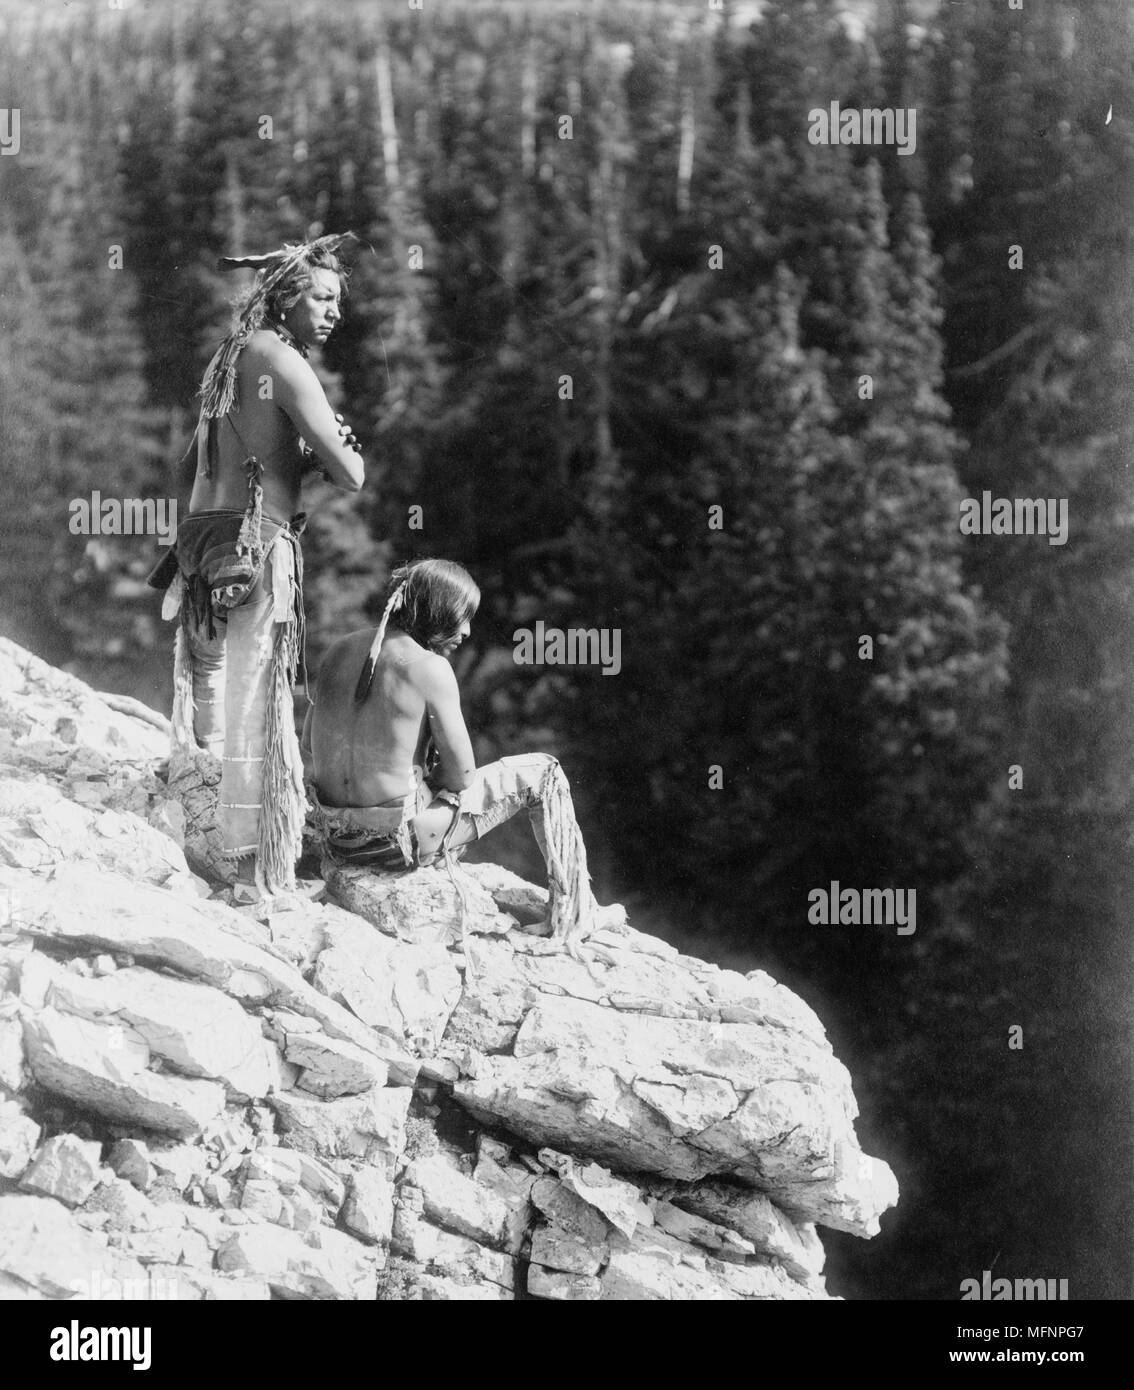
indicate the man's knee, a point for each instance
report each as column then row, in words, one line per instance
column 531, row 766
column 205, row 652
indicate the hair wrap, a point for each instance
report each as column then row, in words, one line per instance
column 366, row 676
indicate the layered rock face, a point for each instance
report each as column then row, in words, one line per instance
column 356, row 1100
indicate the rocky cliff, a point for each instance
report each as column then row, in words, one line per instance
column 346, row 1102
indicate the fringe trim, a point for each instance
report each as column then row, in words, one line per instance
column 574, row 911
column 284, row 805
column 249, row 542
column 181, row 721
column 218, row 389
column 458, row 878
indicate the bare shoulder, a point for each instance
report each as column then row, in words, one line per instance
column 433, row 677
column 266, row 352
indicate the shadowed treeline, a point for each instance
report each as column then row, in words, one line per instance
column 647, row 359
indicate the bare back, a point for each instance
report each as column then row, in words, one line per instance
column 364, row 755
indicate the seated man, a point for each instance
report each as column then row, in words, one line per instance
column 391, row 767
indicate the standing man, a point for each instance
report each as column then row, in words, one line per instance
column 236, row 570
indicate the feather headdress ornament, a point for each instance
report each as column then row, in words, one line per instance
column 218, row 388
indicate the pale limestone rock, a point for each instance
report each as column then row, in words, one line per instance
column 402, row 1068
column 406, row 991
column 495, row 1149
column 461, row 1204
column 619, row 1202
column 452, row 1255
column 93, row 1220
column 300, row 1211
column 12, row 1076
column 521, row 996
column 19, row 1135
column 125, row 1207
column 527, row 903
column 566, row 1210
column 688, row 1099
column 332, row 1067
column 102, row 1069
column 556, row 1249
column 207, row 1224
column 37, row 972
column 298, row 935
column 40, row 826
column 295, row 1268
column 282, row 1076
column 419, row 908
column 198, row 1030
column 565, row 1287
column 491, row 1008
column 753, row 1216
column 369, row 1127
column 229, row 1135
column 202, row 940
column 696, row 1230
column 194, row 786
column 321, row 1181
column 283, row 1167
column 222, row 1289
column 37, row 696
column 287, row 1022
column 262, row 1199
column 218, row 1190
column 182, row 1283
column 167, row 1247
column 184, row 1163
column 368, row 1212
column 43, row 1248
column 655, row 1266
column 354, row 1265
column 436, row 1288
column 66, row 1168
column 511, row 1183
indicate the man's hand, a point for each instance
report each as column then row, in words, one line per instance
column 348, row 434
column 311, row 458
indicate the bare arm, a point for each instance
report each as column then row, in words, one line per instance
column 301, row 397
column 447, row 724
